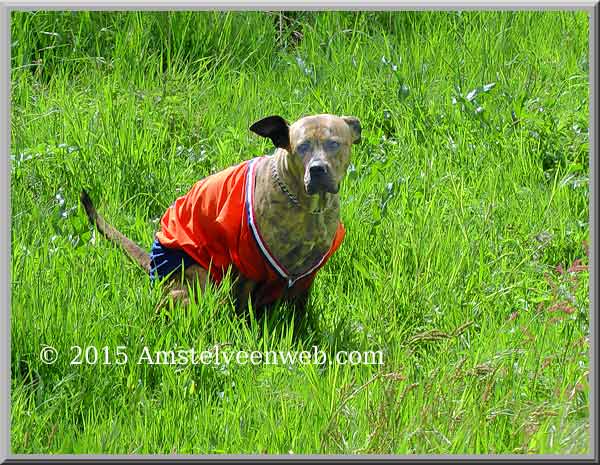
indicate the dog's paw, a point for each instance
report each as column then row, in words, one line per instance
column 176, row 296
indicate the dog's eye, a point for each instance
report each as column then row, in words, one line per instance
column 332, row 145
column 303, row 147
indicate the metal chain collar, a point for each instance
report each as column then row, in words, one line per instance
column 281, row 184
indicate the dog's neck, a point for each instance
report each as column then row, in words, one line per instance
column 297, row 235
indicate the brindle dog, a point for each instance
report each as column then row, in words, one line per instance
column 296, row 202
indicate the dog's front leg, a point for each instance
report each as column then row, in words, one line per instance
column 297, row 301
column 297, row 297
column 243, row 292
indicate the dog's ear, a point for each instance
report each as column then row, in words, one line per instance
column 354, row 124
column 275, row 128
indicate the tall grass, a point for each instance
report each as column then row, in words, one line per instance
column 466, row 208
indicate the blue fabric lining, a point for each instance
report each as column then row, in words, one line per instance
column 164, row 261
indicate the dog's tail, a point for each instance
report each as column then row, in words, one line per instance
column 135, row 252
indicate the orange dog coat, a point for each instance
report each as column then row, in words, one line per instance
column 214, row 224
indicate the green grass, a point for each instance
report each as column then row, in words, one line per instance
column 464, row 214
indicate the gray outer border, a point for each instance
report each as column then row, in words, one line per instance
column 5, row 231
column 593, row 204
column 6, row 7
column 350, row 5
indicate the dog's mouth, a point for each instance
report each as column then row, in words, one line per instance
column 319, row 180
column 321, row 185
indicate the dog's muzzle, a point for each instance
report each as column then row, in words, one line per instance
column 319, row 179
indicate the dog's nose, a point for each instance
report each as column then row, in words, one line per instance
column 317, row 169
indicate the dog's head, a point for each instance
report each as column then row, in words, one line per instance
column 319, row 145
